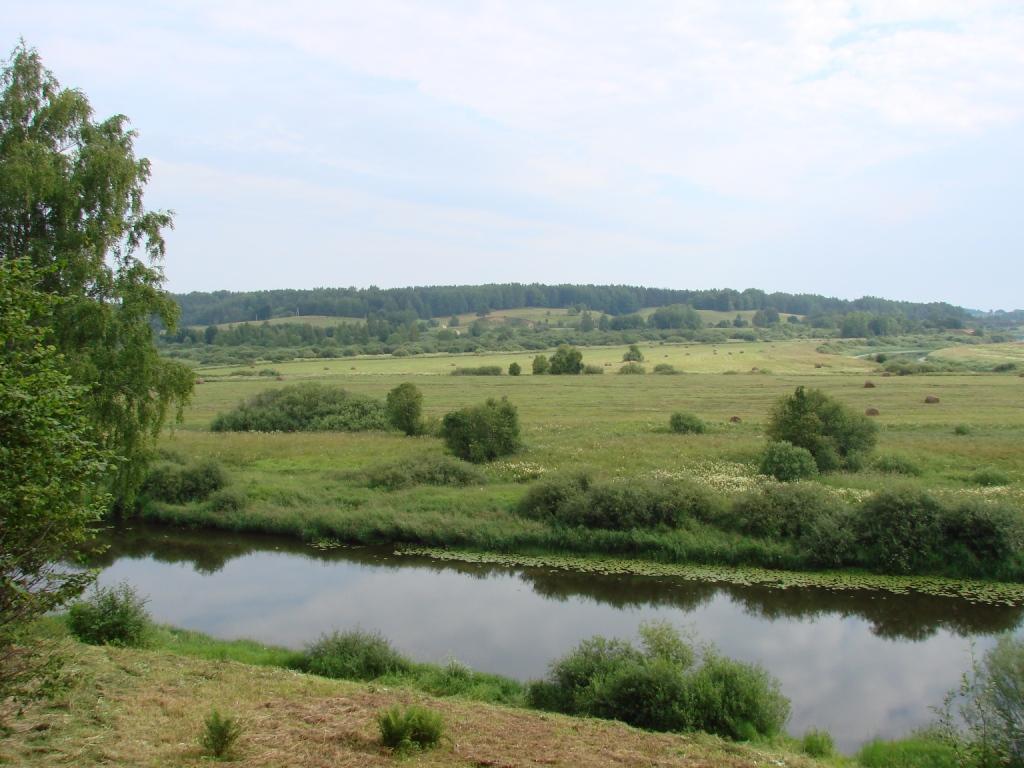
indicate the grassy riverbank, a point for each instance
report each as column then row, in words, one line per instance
column 314, row 485
column 146, row 708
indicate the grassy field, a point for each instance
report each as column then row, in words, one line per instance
column 983, row 354
column 317, row 321
column 614, row 426
column 146, row 708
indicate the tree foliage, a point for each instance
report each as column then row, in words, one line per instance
column 483, row 432
column 49, row 469
column 404, row 406
column 71, row 207
column 834, row 434
column 566, row 360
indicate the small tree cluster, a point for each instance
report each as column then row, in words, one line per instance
column 482, row 432
column 404, row 408
column 835, row 435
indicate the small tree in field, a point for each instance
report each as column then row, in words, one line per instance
column 540, row 365
column 514, row 369
column 633, row 355
column 834, row 434
column 566, row 360
column 483, row 432
column 405, row 408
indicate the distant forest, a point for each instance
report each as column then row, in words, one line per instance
column 426, row 302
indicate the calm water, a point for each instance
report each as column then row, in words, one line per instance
column 860, row 664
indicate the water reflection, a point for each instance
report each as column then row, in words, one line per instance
column 857, row 663
column 892, row 616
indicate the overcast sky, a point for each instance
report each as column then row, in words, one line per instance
column 844, row 148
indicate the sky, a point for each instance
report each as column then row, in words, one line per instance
column 839, row 147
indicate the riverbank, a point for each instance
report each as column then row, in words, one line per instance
column 146, row 708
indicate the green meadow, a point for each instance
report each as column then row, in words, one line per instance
column 613, row 426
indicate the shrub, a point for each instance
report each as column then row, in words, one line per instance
column 110, row 616
column 898, row 530
column 480, row 370
column 829, row 430
column 787, row 462
column 632, row 368
column 780, row 511
column 309, row 407
column 686, row 423
column 961, row 429
column 483, row 432
column 353, row 655
column 425, row 470
column 593, row 370
column 544, row 499
column 989, row 476
column 175, row 483
column 665, row 369
column 514, row 369
column 736, row 700
column 633, row 355
column 540, row 365
column 659, row 687
column 817, row 743
column 980, row 538
column 227, row 500
column 619, row 505
column 895, row 465
column 1004, row 367
column 220, row 734
column 404, row 407
column 566, row 360
column 409, row 729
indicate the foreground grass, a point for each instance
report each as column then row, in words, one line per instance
column 146, row 708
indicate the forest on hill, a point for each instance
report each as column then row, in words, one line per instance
column 425, row 302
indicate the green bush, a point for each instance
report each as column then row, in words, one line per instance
column 817, row 743
column 480, row 370
column 666, row 369
column 309, row 407
column 175, row 483
column 686, row 423
column 913, row 752
column 424, row 470
column 593, row 370
column 658, row 686
column 566, row 360
column 899, row 531
column 829, row 430
column 787, row 462
column 220, row 733
column 989, row 476
column 632, row 368
column 228, row 500
column 574, row 500
column 483, row 432
column 514, row 369
column 404, row 408
column 353, row 655
column 736, row 700
column 110, row 616
column 980, row 539
column 544, row 499
column 961, row 429
column 780, row 511
column 410, row 729
column 894, row 464
column 633, row 355
column 541, row 365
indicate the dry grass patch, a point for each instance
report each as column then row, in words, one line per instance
column 145, row 708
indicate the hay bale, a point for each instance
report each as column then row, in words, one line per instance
column 735, row 419
column 869, row 385
column 931, row 399
column 200, row 381
column 887, row 374
column 819, row 365
column 279, row 377
column 871, row 412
